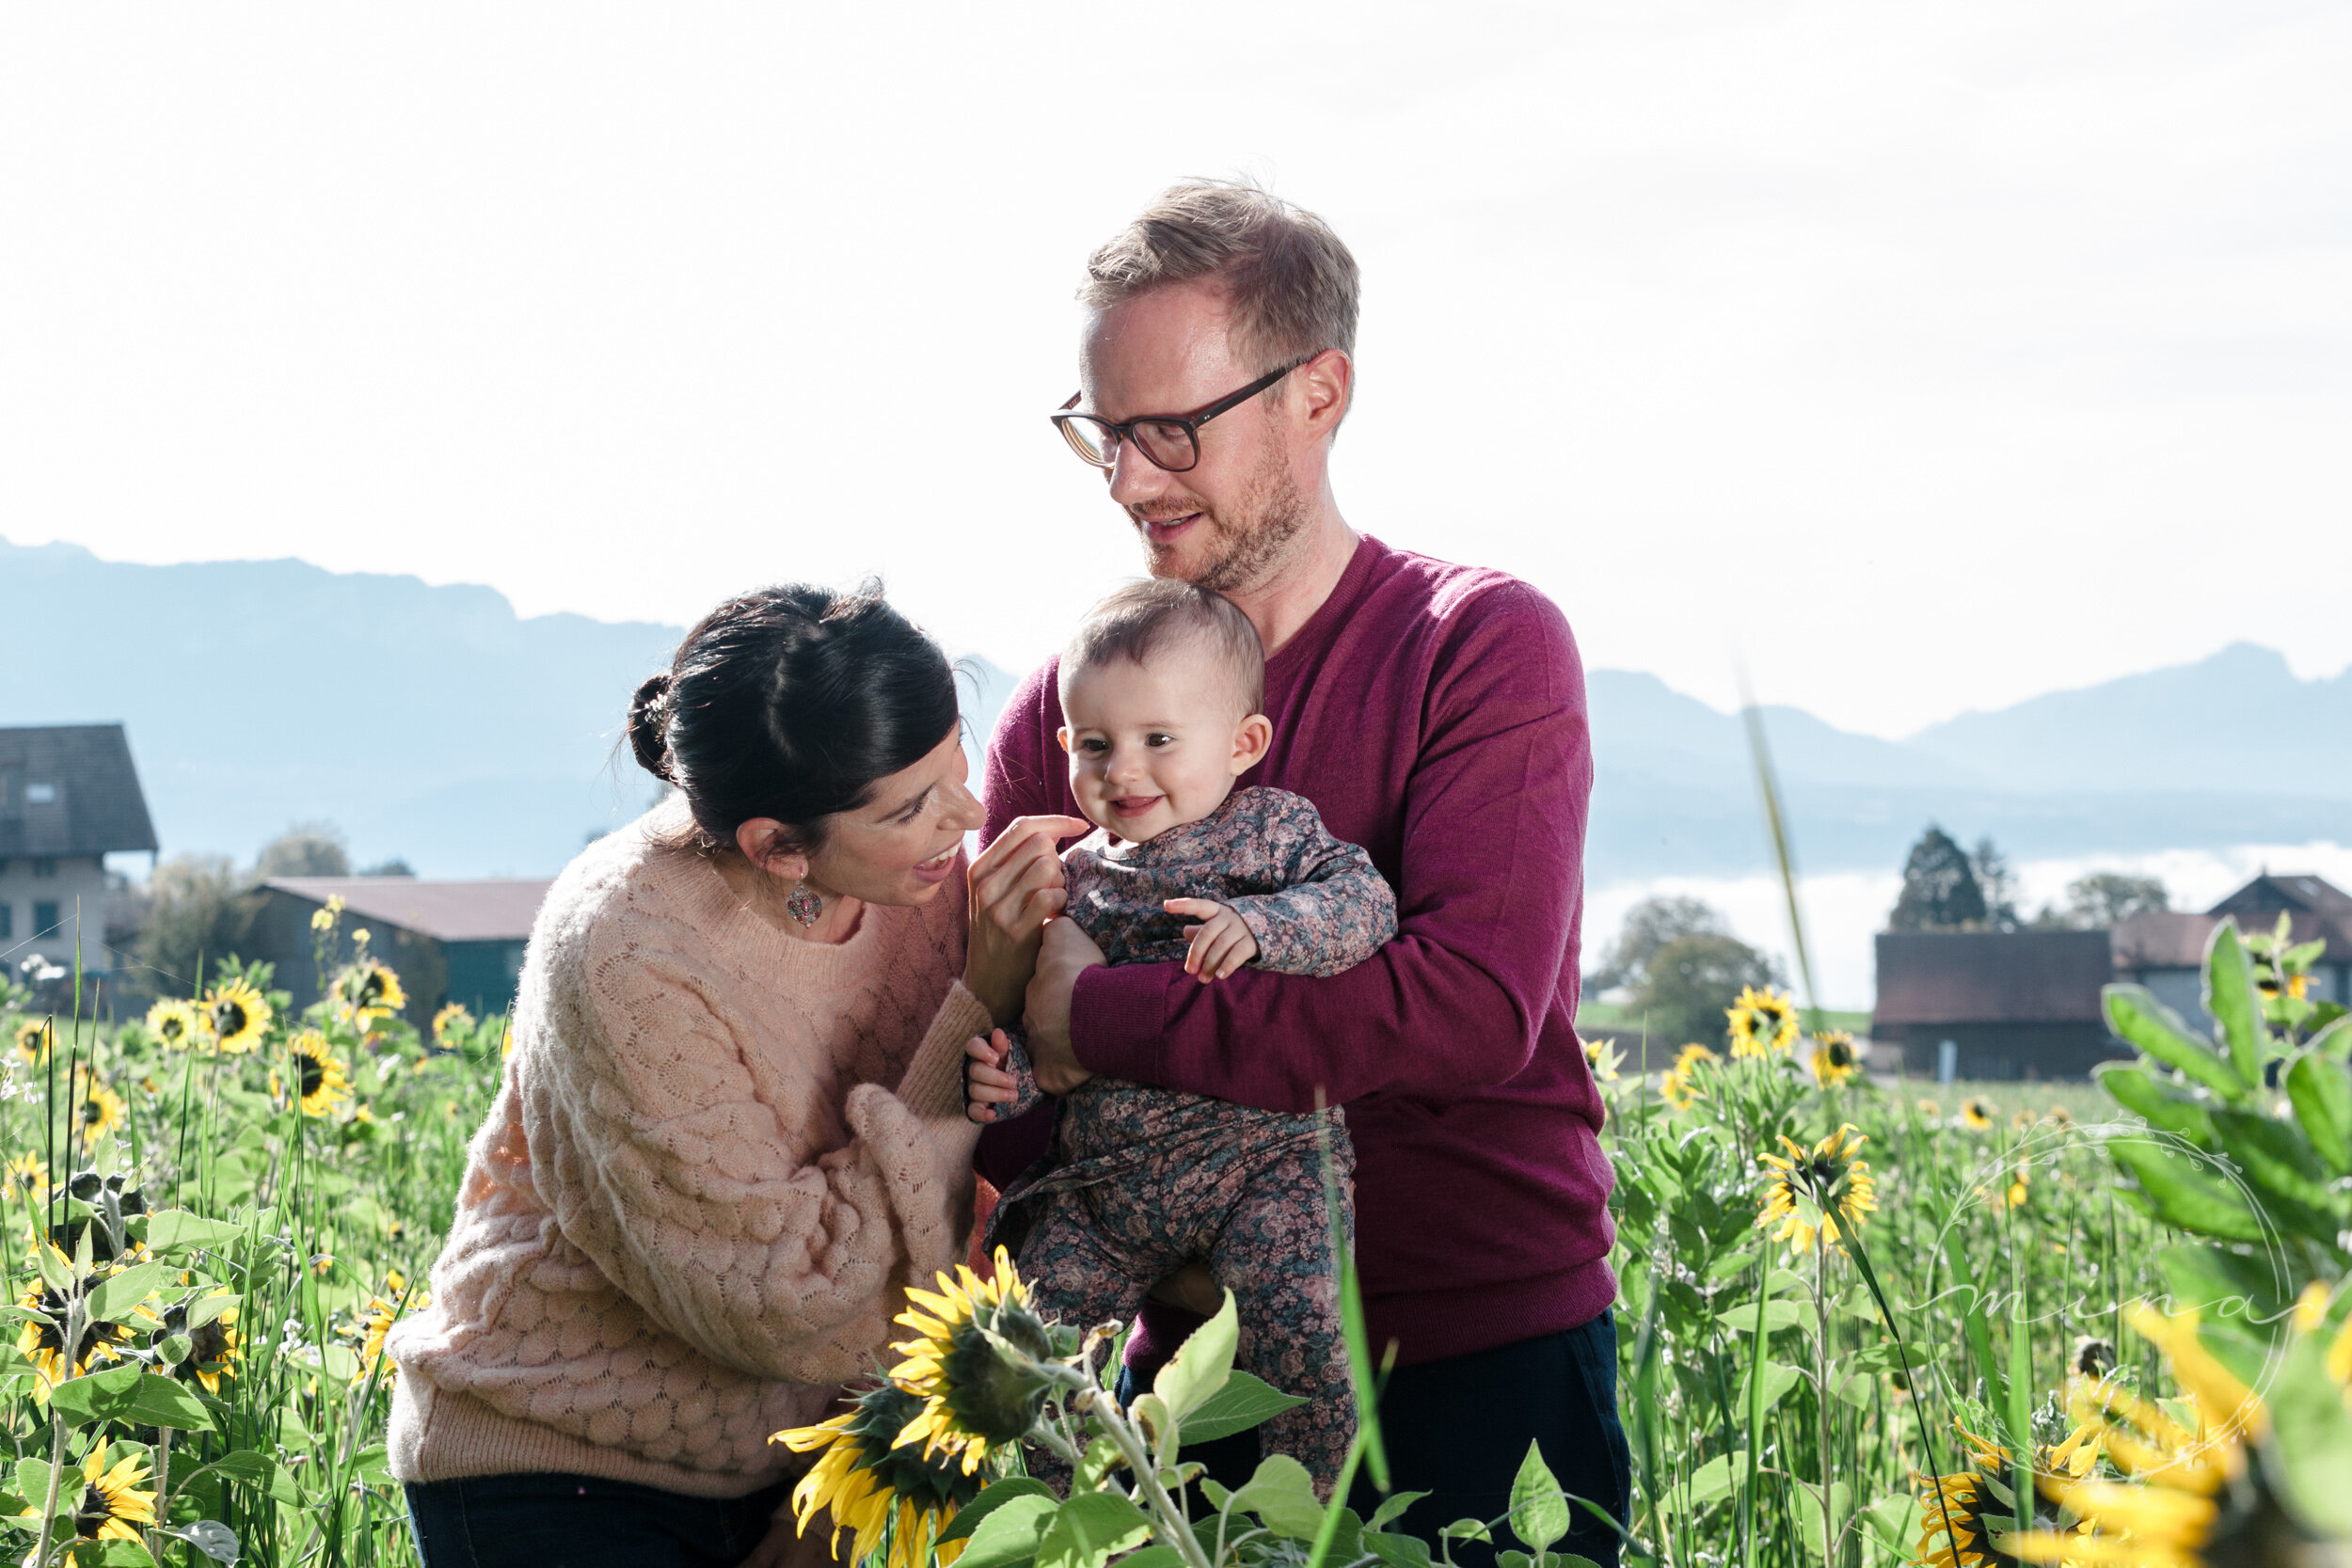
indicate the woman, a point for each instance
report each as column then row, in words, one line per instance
column 732, row 1127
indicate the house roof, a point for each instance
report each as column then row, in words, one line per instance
column 70, row 789
column 1991, row 976
column 2316, row 909
column 499, row 910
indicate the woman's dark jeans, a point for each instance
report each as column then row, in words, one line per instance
column 558, row 1521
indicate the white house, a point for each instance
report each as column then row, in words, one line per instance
column 69, row 798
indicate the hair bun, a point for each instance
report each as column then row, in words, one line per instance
column 650, row 726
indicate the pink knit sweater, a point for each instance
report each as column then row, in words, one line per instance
column 718, row 1155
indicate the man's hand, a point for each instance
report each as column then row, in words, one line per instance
column 784, row 1548
column 1016, row 888
column 1221, row 943
column 1066, row 952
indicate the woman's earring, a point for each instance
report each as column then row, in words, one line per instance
column 803, row 906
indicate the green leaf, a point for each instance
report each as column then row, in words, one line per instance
column 2186, row 1193
column 1008, row 1535
column 2235, row 1006
column 1778, row 1380
column 170, row 1231
column 118, row 1296
column 2320, row 1088
column 1777, row 1315
column 1154, row 1555
column 1895, row 1520
column 1282, row 1496
column 2275, row 1155
column 992, row 1496
column 32, row 1482
column 1714, row 1478
column 1817, row 1528
column 1090, row 1529
column 2136, row 1015
column 1466, row 1529
column 1101, row 1458
column 2163, row 1105
column 1399, row 1551
column 95, row 1396
column 2334, row 1037
column 1393, row 1507
column 1244, row 1403
column 1539, row 1515
column 1200, row 1366
column 2314, row 1441
column 211, row 1537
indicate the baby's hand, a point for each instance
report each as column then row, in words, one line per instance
column 986, row 1084
column 1221, row 943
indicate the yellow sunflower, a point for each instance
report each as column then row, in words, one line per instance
column 366, row 992
column 1833, row 1059
column 1978, row 1113
column 111, row 1507
column 506, row 1046
column 216, row 1344
column 976, row 1400
column 381, row 1315
column 1604, row 1058
column 41, row 1340
column 1807, row 1190
column 1681, row 1085
column 25, row 1178
column 1762, row 1022
column 238, row 1014
column 451, row 1019
column 99, row 1109
column 873, row 1487
column 33, row 1039
column 319, row 1081
column 1966, row 1519
column 178, row 1024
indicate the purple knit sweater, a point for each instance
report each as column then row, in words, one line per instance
column 1435, row 714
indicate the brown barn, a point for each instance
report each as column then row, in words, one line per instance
column 1995, row 1003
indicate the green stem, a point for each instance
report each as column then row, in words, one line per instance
column 1821, row 1393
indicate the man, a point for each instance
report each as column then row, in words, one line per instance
column 1436, row 715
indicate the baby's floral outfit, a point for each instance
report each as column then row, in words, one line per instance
column 1142, row 1181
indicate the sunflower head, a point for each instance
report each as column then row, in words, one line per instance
column 1762, row 1022
column 33, row 1039
column 41, row 1339
column 1807, row 1190
column 238, row 1014
column 975, row 1396
column 367, row 992
column 1978, row 1113
column 451, row 1020
column 1968, row 1520
column 381, row 1315
column 111, row 1506
column 870, row 1483
column 23, row 1177
column 1680, row 1087
column 178, row 1024
column 319, row 1081
column 1835, row 1060
column 1604, row 1058
column 97, row 1108
column 214, row 1344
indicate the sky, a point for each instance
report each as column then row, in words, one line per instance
column 1920, row 357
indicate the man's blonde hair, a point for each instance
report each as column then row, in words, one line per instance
column 1291, row 283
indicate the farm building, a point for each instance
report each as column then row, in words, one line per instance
column 2165, row 949
column 1995, row 1003
column 69, row 798
column 449, row 942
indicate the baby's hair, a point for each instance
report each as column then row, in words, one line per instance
column 1143, row 618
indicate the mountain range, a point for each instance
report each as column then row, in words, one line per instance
column 436, row 724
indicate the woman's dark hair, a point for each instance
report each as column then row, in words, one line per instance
column 789, row 702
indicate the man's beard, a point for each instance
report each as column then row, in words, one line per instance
column 1244, row 550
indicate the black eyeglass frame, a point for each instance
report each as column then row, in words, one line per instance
column 1189, row 423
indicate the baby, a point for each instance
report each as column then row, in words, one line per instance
column 1160, row 691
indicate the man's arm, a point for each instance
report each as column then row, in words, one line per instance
column 1491, row 884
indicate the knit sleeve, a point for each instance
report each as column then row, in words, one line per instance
column 665, row 1145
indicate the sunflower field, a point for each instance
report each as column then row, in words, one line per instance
column 1860, row 1326
column 213, row 1214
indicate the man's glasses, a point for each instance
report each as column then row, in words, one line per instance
column 1172, row 441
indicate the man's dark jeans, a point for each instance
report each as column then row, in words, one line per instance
column 1458, row 1429
column 561, row 1521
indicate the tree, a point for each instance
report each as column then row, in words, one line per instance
column 1692, row 981
column 1996, row 882
column 1940, row 888
column 1649, row 925
column 305, row 849
column 2107, row 899
column 198, row 912
column 397, row 867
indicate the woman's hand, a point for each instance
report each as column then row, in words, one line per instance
column 986, row 1084
column 1067, row 953
column 1016, row 888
